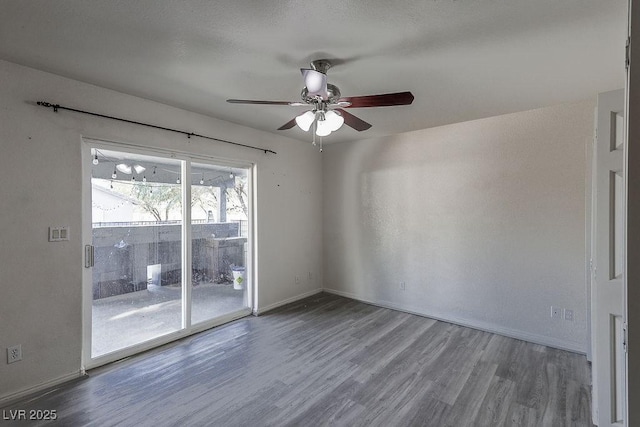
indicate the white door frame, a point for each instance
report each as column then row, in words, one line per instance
column 607, row 283
column 632, row 181
column 86, row 146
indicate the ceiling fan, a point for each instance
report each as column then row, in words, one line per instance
column 327, row 112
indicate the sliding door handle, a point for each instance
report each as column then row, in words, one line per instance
column 89, row 256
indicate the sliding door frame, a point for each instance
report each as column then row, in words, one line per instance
column 188, row 328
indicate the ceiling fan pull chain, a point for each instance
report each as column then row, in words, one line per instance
column 315, row 125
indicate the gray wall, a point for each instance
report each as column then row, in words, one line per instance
column 40, row 171
column 484, row 221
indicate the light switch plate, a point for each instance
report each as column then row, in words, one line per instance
column 58, row 234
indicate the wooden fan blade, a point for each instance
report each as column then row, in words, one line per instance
column 353, row 121
column 251, row 101
column 383, row 100
column 291, row 123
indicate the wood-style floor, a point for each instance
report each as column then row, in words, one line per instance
column 328, row 360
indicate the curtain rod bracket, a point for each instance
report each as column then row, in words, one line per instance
column 49, row 105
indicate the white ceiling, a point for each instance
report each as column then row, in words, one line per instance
column 462, row 59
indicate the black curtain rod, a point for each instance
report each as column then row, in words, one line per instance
column 57, row 107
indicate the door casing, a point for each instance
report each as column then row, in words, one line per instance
column 87, row 144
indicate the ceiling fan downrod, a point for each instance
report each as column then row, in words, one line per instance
column 321, row 65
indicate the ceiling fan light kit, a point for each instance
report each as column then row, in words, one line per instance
column 327, row 121
column 305, row 120
column 327, row 115
column 323, row 128
column 334, row 120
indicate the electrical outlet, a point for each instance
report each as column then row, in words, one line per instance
column 310, row 277
column 403, row 286
column 568, row 315
column 14, row 353
column 556, row 312
column 297, row 280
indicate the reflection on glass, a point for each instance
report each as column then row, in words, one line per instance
column 219, row 212
column 137, row 220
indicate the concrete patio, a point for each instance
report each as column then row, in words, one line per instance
column 128, row 319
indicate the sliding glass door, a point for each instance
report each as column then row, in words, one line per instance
column 169, row 249
column 219, row 231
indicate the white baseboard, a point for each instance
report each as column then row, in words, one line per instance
column 262, row 310
column 5, row 400
column 474, row 324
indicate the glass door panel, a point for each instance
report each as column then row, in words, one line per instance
column 137, row 239
column 219, row 232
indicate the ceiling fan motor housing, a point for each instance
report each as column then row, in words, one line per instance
column 333, row 95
